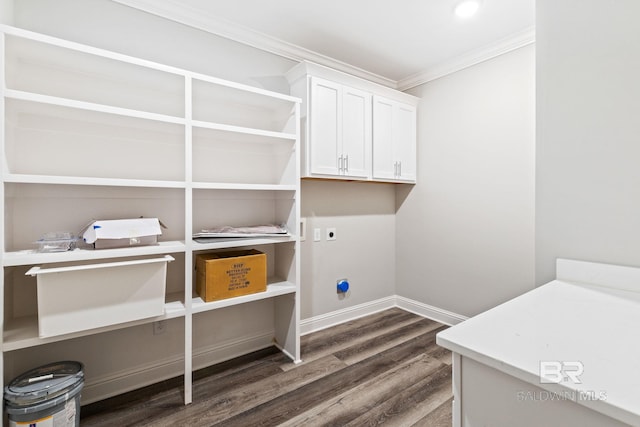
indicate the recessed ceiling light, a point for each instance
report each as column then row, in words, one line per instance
column 467, row 8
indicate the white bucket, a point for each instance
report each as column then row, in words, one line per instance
column 48, row 396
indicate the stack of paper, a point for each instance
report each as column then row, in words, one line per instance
column 268, row 230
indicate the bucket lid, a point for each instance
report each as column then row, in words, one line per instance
column 44, row 382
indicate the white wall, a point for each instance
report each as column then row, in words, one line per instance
column 465, row 233
column 364, row 251
column 6, row 12
column 588, row 130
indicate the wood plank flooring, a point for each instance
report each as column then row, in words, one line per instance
column 380, row 369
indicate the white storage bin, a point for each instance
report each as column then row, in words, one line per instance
column 81, row 297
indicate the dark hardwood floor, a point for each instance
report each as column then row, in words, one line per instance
column 380, row 369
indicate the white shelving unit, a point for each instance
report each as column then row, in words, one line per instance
column 91, row 134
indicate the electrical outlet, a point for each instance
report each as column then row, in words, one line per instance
column 159, row 327
column 331, row 234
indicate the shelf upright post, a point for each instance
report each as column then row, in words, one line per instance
column 297, row 355
column 3, row 167
column 287, row 307
column 188, row 230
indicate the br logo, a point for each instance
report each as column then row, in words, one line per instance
column 555, row 371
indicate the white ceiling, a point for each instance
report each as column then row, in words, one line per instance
column 398, row 43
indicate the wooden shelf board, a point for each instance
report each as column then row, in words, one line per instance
column 140, row 183
column 90, row 106
column 29, row 35
column 243, row 130
column 26, row 34
column 23, row 332
column 274, row 289
column 29, row 257
column 237, row 186
column 79, row 180
column 222, row 243
column 246, row 88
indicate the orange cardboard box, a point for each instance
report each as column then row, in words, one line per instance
column 230, row 274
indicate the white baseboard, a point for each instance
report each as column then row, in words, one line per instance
column 207, row 356
column 131, row 379
column 323, row 321
column 141, row 376
column 429, row 311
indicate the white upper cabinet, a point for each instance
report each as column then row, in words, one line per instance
column 325, row 135
column 341, row 123
column 394, row 140
column 356, row 133
column 340, row 130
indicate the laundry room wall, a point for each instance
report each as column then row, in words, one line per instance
column 465, row 233
column 587, row 204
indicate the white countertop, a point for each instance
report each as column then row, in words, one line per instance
column 594, row 320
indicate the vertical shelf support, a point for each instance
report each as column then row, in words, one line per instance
column 3, row 166
column 297, row 275
column 188, row 230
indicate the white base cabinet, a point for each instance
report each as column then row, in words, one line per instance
column 354, row 129
column 558, row 355
column 485, row 396
column 91, row 134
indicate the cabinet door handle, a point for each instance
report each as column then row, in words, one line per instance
column 399, row 169
column 346, row 164
column 395, row 169
column 339, row 164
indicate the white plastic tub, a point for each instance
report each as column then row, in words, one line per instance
column 46, row 396
column 88, row 296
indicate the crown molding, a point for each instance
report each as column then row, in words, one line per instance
column 176, row 11
column 500, row 47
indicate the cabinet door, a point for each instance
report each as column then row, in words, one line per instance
column 384, row 163
column 404, row 129
column 356, row 133
column 394, row 140
column 325, row 138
